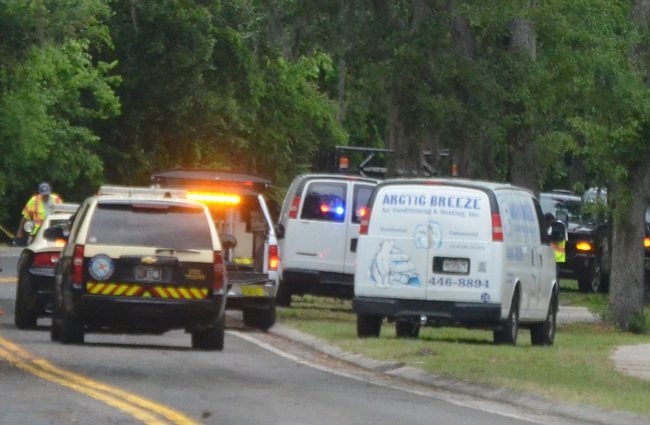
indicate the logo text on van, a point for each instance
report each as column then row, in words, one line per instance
column 459, row 202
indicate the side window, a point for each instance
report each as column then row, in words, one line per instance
column 324, row 201
column 543, row 231
column 361, row 196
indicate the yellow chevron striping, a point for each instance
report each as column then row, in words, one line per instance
column 173, row 292
column 133, row 290
column 109, row 289
column 205, row 292
column 98, row 288
column 146, row 294
column 121, row 289
column 196, row 292
column 184, row 292
column 160, row 291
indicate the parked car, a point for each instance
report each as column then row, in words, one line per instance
column 448, row 252
column 36, row 266
column 318, row 231
column 140, row 260
column 240, row 213
column 587, row 248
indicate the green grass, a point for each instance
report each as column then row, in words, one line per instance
column 577, row 368
column 570, row 295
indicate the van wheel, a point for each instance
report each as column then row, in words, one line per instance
column 71, row 329
column 259, row 318
column 25, row 314
column 368, row 325
column 283, row 296
column 508, row 332
column 544, row 333
column 407, row 329
column 210, row 339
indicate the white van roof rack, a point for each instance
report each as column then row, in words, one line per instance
column 141, row 192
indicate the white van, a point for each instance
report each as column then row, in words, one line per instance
column 455, row 252
column 317, row 232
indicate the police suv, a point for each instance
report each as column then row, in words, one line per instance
column 455, row 252
column 140, row 260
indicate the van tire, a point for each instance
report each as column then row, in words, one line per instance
column 544, row 333
column 510, row 328
column 368, row 325
column 407, row 329
column 261, row 319
column 283, row 296
column 210, row 339
column 70, row 328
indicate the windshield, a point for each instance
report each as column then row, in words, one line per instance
column 151, row 225
column 572, row 208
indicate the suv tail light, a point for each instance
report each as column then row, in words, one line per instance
column 497, row 228
column 219, row 271
column 46, row 259
column 274, row 259
column 646, row 242
column 295, row 204
column 365, row 222
column 583, row 246
column 78, row 266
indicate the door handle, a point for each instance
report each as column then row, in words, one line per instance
column 353, row 244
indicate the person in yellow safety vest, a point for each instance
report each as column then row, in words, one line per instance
column 558, row 242
column 37, row 208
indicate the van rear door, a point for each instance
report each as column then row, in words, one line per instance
column 359, row 208
column 392, row 257
column 461, row 261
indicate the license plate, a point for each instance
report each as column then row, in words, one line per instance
column 149, row 273
column 252, row 290
column 455, row 265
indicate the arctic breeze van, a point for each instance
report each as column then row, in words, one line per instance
column 455, row 252
column 317, row 232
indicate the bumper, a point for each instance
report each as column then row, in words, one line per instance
column 439, row 312
column 255, row 295
column 150, row 315
column 42, row 284
column 319, row 283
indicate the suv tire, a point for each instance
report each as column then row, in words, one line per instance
column 71, row 329
column 510, row 328
column 592, row 282
column 261, row 319
column 368, row 325
column 544, row 333
column 210, row 339
column 407, row 329
column 25, row 316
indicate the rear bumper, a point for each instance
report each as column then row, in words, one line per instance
column 441, row 312
column 254, row 295
column 300, row 281
column 149, row 315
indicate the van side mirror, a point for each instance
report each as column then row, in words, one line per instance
column 558, row 232
column 279, row 231
column 54, row 233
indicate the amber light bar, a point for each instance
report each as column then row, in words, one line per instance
column 214, row 198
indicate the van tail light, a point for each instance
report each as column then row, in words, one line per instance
column 78, row 266
column 646, row 242
column 365, row 222
column 584, row 246
column 219, row 272
column 295, row 204
column 497, row 229
column 274, row 259
column 46, row 260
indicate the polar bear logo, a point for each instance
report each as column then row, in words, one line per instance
column 392, row 266
column 428, row 236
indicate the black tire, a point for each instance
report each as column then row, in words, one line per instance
column 25, row 313
column 544, row 333
column 70, row 328
column 261, row 319
column 407, row 329
column 283, row 296
column 210, row 339
column 510, row 328
column 591, row 283
column 368, row 325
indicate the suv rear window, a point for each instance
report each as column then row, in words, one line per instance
column 324, row 201
column 150, row 224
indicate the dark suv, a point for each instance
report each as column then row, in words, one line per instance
column 587, row 247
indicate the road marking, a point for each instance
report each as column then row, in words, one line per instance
column 147, row 411
column 8, row 279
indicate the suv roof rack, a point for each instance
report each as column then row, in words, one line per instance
column 66, row 207
column 141, row 192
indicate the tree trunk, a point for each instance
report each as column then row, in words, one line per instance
column 626, row 283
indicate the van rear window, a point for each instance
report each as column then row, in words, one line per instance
column 325, row 201
column 152, row 225
column 360, row 201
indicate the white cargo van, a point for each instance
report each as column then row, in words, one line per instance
column 455, row 252
column 317, row 232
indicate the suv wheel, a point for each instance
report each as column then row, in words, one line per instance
column 591, row 282
column 508, row 332
column 210, row 339
column 259, row 318
column 25, row 315
column 407, row 329
column 544, row 333
column 368, row 325
column 70, row 329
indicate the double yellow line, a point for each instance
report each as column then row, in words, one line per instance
column 144, row 410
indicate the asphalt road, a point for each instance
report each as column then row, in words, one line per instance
column 257, row 379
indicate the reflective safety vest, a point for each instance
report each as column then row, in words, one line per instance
column 36, row 210
column 559, row 248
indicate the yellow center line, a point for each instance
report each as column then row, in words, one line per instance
column 8, row 279
column 86, row 385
